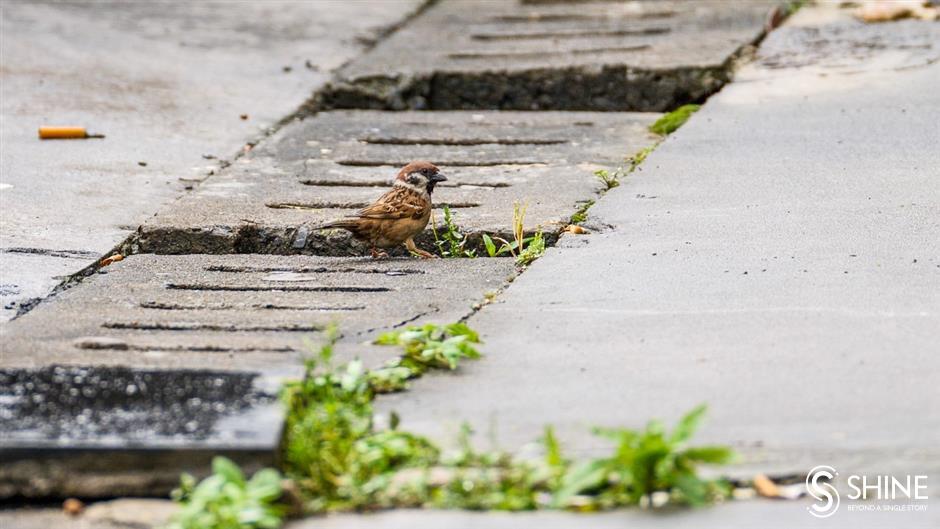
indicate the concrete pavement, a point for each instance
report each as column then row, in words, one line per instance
column 168, row 85
column 778, row 258
column 774, row 258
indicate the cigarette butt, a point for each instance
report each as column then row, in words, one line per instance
column 65, row 133
column 113, row 259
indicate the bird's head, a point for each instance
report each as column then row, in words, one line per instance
column 420, row 175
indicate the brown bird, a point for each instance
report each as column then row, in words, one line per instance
column 398, row 215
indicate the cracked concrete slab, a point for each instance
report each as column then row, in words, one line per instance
column 778, row 258
column 512, row 55
column 156, row 363
column 328, row 166
column 167, row 87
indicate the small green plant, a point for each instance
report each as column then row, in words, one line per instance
column 581, row 215
column 524, row 249
column 432, row 346
column 330, row 448
column 645, row 462
column 639, row 157
column 492, row 250
column 451, row 243
column 533, row 250
column 226, row 500
column 610, row 179
column 670, row 122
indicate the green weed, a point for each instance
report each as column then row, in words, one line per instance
column 330, row 448
column 432, row 346
column 451, row 243
column 645, row 462
column 670, row 122
column 610, row 179
column 523, row 249
column 639, row 157
column 226, row 500
column 337, row 460
column 581, row 215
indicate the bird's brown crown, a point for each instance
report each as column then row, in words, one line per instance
column 416, row 166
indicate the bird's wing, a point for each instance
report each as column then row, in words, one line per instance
column 396, row 204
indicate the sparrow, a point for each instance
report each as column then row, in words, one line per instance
column 398, row 215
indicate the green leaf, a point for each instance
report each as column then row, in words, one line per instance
column 265, row 485
column 584, row 477
column 553, row 455
column 490, row 245
column 693, row 489
column 688, row 424
column 387, row 338
column 229, row 471
column 716, row 455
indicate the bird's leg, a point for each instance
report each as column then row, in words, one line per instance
column 410, row 244
column 378, row 254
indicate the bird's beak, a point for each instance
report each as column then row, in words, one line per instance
column 438, row 177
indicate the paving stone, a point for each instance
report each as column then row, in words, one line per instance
column 512, row 55
column 122, row 382
column 328, row 166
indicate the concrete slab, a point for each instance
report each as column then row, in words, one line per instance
column 166, row 87
column 328, row 166
column 778, row 258
column 517, row 55
column 147, row 370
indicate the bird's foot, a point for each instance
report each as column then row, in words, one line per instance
column 423, row 254
column 379, row 254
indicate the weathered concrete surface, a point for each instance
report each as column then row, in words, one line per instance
column 328, row 166
column 739, row 514
column 478, row 54
column 127, row 513
column 166, row 86
column 150, row 514
column 119, row 384
column 778, row 258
